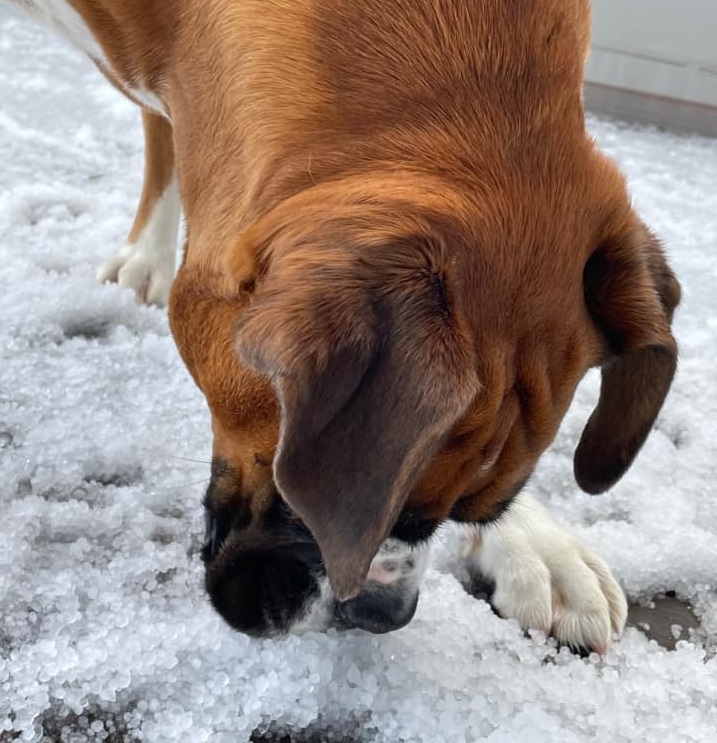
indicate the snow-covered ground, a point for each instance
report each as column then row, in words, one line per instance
column 105, row 631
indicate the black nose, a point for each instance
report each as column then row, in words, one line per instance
column 377, row 610
column 263, row 592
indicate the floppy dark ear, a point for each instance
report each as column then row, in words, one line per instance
column 372, row 370
column 631, row 293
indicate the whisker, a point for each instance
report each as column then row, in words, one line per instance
column 186, row 459
column 178, row 486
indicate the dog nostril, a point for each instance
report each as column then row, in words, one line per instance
column 377, row 612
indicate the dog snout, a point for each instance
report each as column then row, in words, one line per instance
column 263, row 592
column 262, row 569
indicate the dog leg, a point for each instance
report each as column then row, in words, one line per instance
column 388, row 599
column 546, row 579
column 147, row 263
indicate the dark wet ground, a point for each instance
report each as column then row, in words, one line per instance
column 666, row 619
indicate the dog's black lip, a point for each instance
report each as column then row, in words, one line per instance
column 217, row 528
column 208, row 550
column 211, row 545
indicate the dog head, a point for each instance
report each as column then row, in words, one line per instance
column 400, row 353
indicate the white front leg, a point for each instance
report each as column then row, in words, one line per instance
column 546, row 579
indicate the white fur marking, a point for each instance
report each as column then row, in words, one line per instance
column 148, row 100
column 318, row 613
column 147, row 266
column 397, row 560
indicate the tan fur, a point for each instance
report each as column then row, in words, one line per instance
column 396, row 190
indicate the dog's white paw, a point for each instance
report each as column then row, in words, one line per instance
column 146, row 265
column 546, row 579
column 140, row 270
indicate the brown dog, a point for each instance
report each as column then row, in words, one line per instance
column 404, row 252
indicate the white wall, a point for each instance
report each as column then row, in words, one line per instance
column 660, row 47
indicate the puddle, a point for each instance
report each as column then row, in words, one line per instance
column 666, row 620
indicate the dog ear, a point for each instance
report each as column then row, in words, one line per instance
column 366, row 351
column 631, row 293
